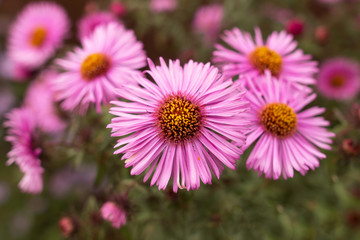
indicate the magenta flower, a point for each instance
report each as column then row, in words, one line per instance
column 179, row 126
column 88, row 23
column 163, row 5
column 111, row 212
column 277, row 54
column 207, row 21
column 287, row 137
column 108, row 59
column 36, row 33
column 339, row 78
column 118, row 9
column 22, row 135
column 40, row 99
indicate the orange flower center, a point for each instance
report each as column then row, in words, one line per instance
column 337, row 81
column 279, row 119
column 38, row 37
column 95, row 65
column 179, row 118
column 263, row 58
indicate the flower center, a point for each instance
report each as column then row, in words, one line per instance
column 38, row 37
column 95, row 65
column 178, row 118
column 337, row 81
column 278, row 119
column 263, row 58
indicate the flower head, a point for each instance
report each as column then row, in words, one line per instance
column 163, row 5
column 207, row 21
column 339, row 78
column 179, row 126
column 88, row 23
column 277, row 55
column 40, row 98
column 107, row 59
column 286, row 136
column 22, row 135
column 113, row 213
column 36, row 33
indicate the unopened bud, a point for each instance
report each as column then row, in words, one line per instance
column 295, row 27
column 67, row 226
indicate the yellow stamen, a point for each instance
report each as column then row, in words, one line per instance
column 95, row 65
column 38, row 37
column 263, row 58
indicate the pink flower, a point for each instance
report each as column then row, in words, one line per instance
column 36, row 33
column 107, row 59
column 118, row 8
column 21, row 134
column 207, row 21
column 295, row 27
column 163, row 5
column 111, row 212
column 88, row 23
column 40, row 98
column 277, row 54
column 286, row 136
column 179, row 126
column 339, row 78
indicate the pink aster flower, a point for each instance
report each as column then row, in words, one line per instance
column 22, row 134
column 36, row 33
column 163, row 5
column 40, row 98
column 88, row 23
column 251, row 58
column 339, row 78
column 111, row 212
column 107, row 59
column 179, row 126
column 207, row 21
column 287, row 136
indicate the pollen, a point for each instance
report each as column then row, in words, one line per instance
column 179, row 119
column 95, row 65
column 337, row 81
column 263, row 58
column 279, row 119
column 38, row 37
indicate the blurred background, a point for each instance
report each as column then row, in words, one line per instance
column 324, row 204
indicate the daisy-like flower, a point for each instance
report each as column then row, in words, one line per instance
column 287, row 136
column 207, row 21
column 107, row 60
column 111, row 212
column 40, row 98
column 36, row 33
column 179, row 126
column 163, row 5
column 21, row 134
column 339, row 78
column 88, row 23
column 277, row 54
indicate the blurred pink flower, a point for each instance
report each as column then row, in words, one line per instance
column 118, row 8
column 207, row 21
column 21, row 134
column 13, row 70
column 339, row 78
column 286, row 137
column 88, row 23
column 178, row 124
column 40, row 98
column 163, row 5
column 295, row 27
column 107, row 60
column 36, row 33
column 111, row 212
column 251, row 58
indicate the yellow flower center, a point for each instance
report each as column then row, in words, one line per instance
column 95, row 65
column 38, row 37
column 263, row 58
column 279, row 119
column 178, row 118
column 337, row 81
